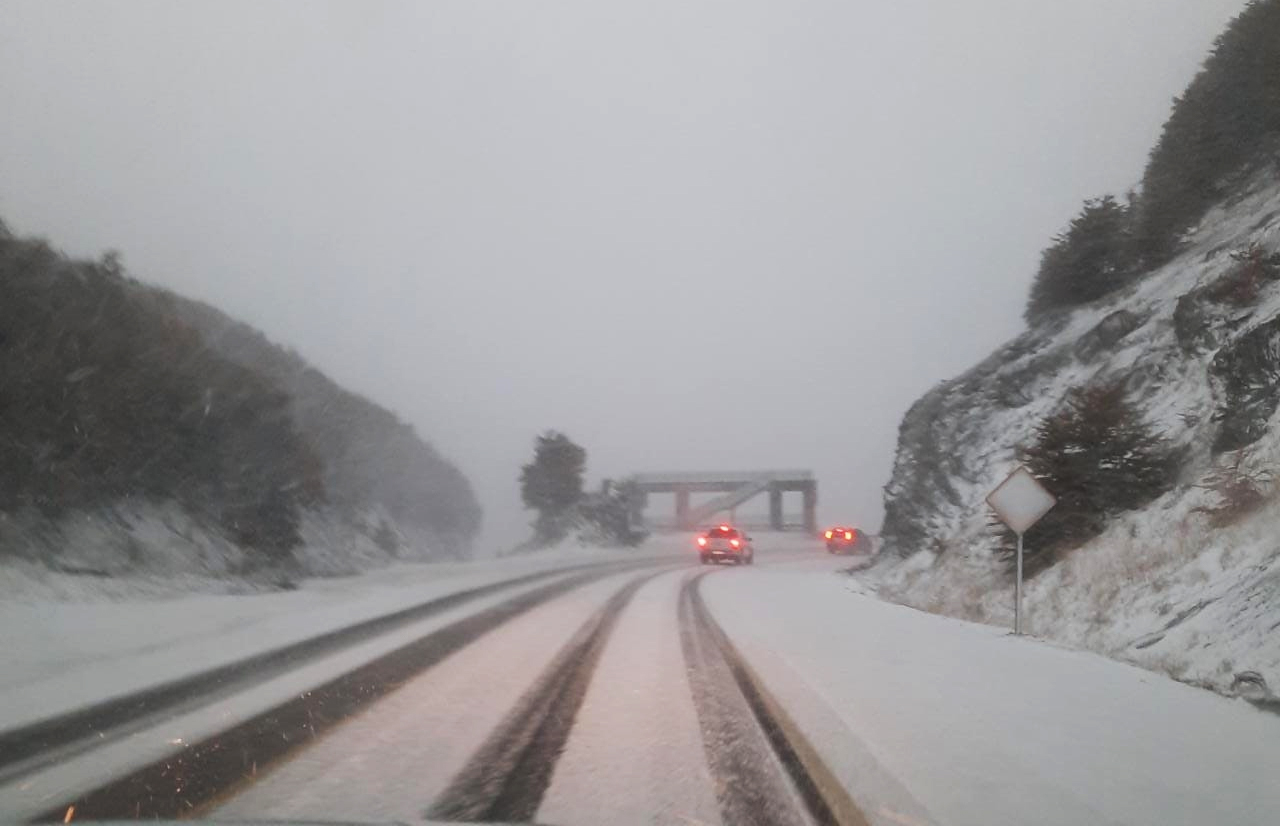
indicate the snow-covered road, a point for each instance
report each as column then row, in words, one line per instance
column 776, row 694
column 643, row 745
column 918, row 720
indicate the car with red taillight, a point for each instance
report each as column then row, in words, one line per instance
column 845, row 540
column 725, row 543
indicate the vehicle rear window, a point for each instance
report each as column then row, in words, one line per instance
column 725, row 533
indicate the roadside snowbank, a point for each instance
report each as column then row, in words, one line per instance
column 137, row 546
column 1161, row 589
column 934, row 720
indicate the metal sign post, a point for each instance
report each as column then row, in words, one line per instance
column 1020, row 501
column 1017, row 593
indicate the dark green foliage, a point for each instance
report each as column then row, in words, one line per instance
column 1228, row 118
column 606, row 516
column 105, row 394
column 1093, row 257
column 267, row 522
column 385, row 538
column 369, row 456
column 1099, row 459
column 924, row 468
column 1247, row 378
column 1227, row 121
column 110, row 389
column 1193, row 323
column 552, row 484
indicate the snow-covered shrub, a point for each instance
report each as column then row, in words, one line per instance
column 1246, row 376
column 1100, row 459
column 1240, row 489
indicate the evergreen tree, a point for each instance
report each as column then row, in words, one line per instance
column 606, row 516
column 552, row 484
column 1099, row 459
column 1228, row 117
column 1092, row 258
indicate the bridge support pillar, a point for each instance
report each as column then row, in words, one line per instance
column 775, row 509
column 811, row 510
column 682, row 508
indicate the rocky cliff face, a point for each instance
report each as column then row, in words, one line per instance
column 1196, row 345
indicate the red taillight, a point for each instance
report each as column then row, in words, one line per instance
column 830, row 534
column 735, row 543
column 848, row 534
column 702, row 542
column 724, row 527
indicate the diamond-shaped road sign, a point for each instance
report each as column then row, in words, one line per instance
column 1020, row 500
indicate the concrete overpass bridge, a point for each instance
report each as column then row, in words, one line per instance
column 735, row 488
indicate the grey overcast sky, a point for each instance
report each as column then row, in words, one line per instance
column 692, row 235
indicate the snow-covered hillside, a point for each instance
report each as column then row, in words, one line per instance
column 146, row 435
column 1166, row 586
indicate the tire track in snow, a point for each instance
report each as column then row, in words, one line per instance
column 766, row 772
column 26, row 749
column 508, row 776
column 207, row 771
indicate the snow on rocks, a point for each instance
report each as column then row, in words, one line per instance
column 1162, row 587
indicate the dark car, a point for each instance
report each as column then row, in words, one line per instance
column 844, row 540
